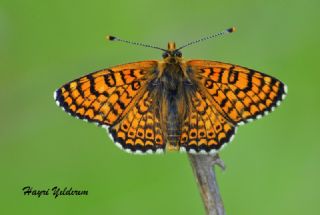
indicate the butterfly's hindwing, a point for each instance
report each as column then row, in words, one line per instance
column 204, row 129
column 140, row 131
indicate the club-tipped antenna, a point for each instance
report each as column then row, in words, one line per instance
column 227, row 31
column 113, row 38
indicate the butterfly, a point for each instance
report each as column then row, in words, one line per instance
column 171, row 104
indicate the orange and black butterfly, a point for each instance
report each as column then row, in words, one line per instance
column 172, row 104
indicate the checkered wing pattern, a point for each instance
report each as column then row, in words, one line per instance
column 204, row 129
column 237, row 93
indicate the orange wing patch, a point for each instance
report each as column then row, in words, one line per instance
column 239, row 94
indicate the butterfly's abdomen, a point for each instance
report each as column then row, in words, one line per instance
column 173, row 121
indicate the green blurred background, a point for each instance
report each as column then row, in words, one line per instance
column 272, row 165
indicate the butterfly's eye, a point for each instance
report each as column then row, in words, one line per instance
column 165, row 55
column 178, row 54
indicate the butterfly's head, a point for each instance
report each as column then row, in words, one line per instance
column 172, row 54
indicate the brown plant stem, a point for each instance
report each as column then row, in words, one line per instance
column 203, row 168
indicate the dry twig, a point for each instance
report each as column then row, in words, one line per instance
column 203, row 169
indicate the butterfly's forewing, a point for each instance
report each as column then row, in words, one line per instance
column 103, row 96
column 115, row 97
column 238, row 93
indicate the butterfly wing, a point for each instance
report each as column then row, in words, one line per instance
column 140, row 130
column 237, row 93
column 113, row 97
column 221, row 97
column 204, row 129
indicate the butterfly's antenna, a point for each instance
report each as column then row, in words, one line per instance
column 112, row 38
column 229, row 30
